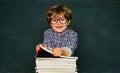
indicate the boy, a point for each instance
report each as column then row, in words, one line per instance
column 59, row 38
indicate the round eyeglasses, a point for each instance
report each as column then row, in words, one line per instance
column 61, row 20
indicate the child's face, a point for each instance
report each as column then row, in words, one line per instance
column 59, row 23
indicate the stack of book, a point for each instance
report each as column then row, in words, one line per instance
column 47, row 63
column 56, row 65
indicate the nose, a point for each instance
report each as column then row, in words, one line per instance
column 58, row 22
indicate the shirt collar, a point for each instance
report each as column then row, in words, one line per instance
column 61, row 34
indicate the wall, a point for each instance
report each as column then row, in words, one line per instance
column 22, row 23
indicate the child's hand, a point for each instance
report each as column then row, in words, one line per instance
column 38, row 47
column 57, row 51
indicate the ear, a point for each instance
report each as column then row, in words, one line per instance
column 69, row 22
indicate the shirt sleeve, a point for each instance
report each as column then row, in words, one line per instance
column 47, row 39
column 72, row 42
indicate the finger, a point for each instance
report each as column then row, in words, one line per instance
column 37, row 48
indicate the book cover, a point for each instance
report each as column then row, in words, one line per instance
column 44, row 52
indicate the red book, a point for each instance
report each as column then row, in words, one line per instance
column 43, row 52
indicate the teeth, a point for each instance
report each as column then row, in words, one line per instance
column 59, row 27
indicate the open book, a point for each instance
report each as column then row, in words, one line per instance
column 44, row 52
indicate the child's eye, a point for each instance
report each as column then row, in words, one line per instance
column 54, row 20
column 62, row 19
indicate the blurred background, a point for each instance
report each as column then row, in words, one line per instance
column 97, row 22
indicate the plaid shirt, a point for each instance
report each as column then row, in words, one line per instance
column 67, row 38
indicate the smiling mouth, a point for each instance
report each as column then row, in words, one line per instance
column 58, row 27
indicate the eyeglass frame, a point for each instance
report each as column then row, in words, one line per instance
column 58, row 19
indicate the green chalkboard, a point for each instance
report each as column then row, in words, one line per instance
column 22, row 23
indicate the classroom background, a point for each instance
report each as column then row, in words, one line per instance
column 97, row 22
